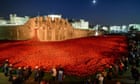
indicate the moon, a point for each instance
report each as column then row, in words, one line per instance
column 94, row 1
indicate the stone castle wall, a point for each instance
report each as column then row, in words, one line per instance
column 15, row 33
column 43, row 29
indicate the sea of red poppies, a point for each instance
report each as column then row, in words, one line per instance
column 80, row 57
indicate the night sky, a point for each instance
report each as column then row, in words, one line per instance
column 107, row 12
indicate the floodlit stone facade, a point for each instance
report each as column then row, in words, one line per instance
column 135, row 26
column 14, row 20
column 43, row 29
column 81, row 24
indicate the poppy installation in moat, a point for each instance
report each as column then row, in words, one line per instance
column 80, row 57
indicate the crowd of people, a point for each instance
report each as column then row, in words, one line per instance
column 21, row 74
column 134, row 58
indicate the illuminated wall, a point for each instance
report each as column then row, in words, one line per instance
column 15, row 33
column 14, row 20
column 82, row 24
column 43, row 29
column 18, row 20
column 135, row 26
column 57, row 29
column 118, row 29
